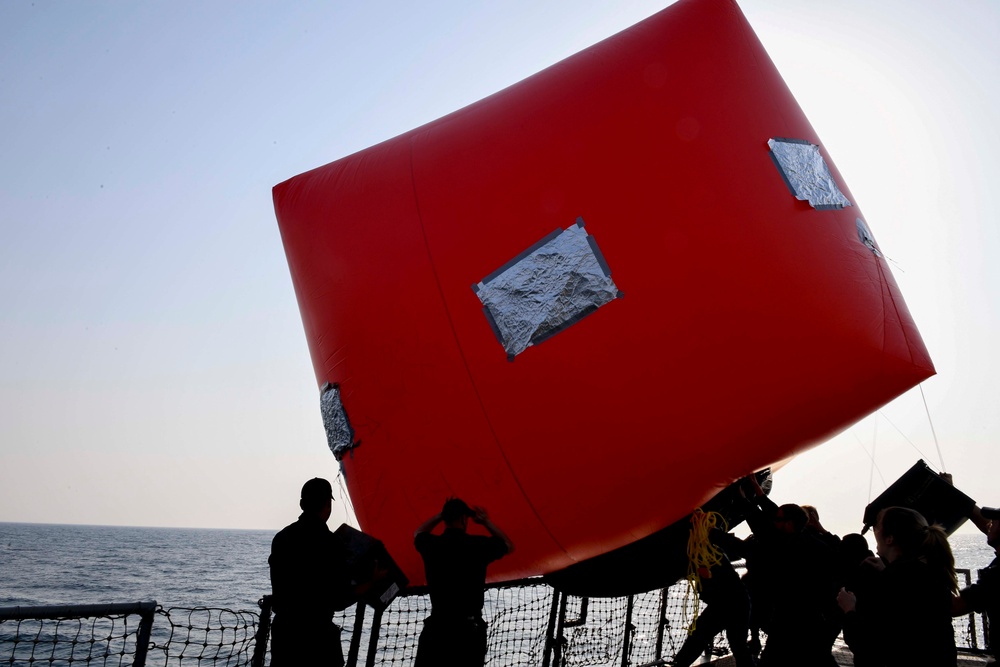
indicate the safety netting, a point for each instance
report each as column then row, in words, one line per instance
column 135, row 634
column 530, row 624
column 108, row 640
column 202, row 636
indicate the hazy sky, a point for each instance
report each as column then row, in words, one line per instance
column 153, row 367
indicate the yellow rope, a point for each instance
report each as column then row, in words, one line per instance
column 702, row 556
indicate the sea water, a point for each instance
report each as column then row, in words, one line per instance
column 42, row 564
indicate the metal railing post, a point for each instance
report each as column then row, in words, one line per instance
column 147, row 610
column 263, row 633
column 661, row 623
column 560, row 641
column 359, row 625
column 550, row 638
column 627, row 635
column 972, row 616
column 373, row 639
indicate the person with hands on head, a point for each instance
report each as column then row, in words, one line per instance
column 455, row 565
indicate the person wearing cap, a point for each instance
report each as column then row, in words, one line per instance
column 455, row 564
column 309, row 582
column 984, row 595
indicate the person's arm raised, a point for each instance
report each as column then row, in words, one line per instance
column 483, row 519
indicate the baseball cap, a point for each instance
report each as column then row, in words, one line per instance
column 316, row 489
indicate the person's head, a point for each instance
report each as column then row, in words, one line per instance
column 456, row 513
column 790, row 518
column 902, row 532
column 812, row 516
column 854, row 549
column 993, row 533
column 316, row 498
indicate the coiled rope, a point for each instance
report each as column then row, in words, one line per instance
column 702, row 557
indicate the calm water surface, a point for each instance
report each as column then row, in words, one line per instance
column 178, row 567
column 57, row 564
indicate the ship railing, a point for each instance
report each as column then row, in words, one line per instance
column 533, row 625
column 530, row 624
column 140, row 634
column 74, row 634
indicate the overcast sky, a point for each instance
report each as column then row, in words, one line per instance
column 153, row 367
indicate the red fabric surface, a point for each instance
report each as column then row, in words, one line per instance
column 752, row 325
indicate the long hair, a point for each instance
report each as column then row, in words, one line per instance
column 915, row 538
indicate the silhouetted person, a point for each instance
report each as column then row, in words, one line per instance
column 905, row 619
column 798, row 571
column 855, row 574
column 727, row 608
column 309, row 582
column 815, row 529
column 984, row 595
column 455, row 564
column 759, row 595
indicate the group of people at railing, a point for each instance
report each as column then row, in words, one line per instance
column 805, row 586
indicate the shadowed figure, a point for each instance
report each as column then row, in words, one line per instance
column 455, row 564
column 904, row 618
column 309, row 582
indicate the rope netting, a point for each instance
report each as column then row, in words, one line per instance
column 108, row 640
column 655, row 630
column 526, row 619
column 202, row 635
column 126, row 634
column 518, row 617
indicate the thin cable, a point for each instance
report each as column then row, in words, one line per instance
column 903, row 435
column 345, row 496
column 871, row 471
column 928, row 411
column 861, row 444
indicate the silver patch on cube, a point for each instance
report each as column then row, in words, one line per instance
column 546, row 289
column 806, row 174
column 339, row 433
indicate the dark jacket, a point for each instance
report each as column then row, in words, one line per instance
column 904, row 619
column 455, row 563
column 984, row 596
column 309, row 577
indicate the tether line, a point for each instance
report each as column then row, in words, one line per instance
column 933, row 432
column 871, row 471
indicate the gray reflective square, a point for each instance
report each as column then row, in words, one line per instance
column 547, row 288
column 806, row 174
column 339, row 433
